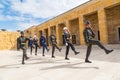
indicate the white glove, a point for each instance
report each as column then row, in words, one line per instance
column 66, row 44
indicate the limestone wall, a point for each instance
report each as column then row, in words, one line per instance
column 31, row 31
column 8, row 40
column 113, row 24
column 103, row 14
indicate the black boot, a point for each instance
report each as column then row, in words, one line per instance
column 53, row 56
column 108, row 51
column 23, row 62
column 67, row 59
column 87, row 61
column 76, row 52
column 36, row 54
column 43, row 55
column 27, row 58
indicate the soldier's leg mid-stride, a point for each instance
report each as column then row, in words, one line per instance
column 53, row 49
column 67, row 38
column 24, row 56
column 89, row 39
column 22, row 42
column 53, row 42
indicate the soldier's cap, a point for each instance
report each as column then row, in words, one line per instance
column 65, row 28
column 22, row 32
column 87, row 22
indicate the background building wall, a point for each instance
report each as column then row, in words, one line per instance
column 103, row 14
column 113, row 23
column 8, row 40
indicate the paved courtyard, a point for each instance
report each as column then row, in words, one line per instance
column 103, row 67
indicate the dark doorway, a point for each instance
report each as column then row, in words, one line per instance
column 63, row 39
column 46, row 33
column 74, row 39
column 98, row 35
column 119, row 33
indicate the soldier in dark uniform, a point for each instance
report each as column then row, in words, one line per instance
column 67, row 43
column 30, row 44
column 89, row 39
column 22, row 42
column 35, row 41
column 43, row 44
column 53, row 43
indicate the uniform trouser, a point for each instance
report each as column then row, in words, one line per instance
column 24, row 54
column 36, row 49
column 53, row 48
column 68, row 47
column 44, row 47
column 18, row 46
column 31, row 49
column 91, row 42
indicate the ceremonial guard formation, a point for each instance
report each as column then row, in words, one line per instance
column 89, row 36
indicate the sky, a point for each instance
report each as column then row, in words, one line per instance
column 22, row 14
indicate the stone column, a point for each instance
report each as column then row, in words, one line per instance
column 103, row 26
column 68, row 25
column 81, row 27
column 49, row 33
column 57, row 35
column 37, row 32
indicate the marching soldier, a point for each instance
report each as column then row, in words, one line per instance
column 35, row 41
column 43, row 44
column 89, row 39
column 67, row 38
column 30, row 44
column 22, row 42
column 53, row 43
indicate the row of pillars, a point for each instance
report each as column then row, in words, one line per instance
column 101, row 22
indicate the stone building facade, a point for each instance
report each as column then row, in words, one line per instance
column 103, row 14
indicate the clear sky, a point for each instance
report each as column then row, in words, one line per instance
column 22, row 14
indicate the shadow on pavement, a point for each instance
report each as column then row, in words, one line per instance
column 69, row 66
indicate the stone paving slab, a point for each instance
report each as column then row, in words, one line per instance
column 46, row 68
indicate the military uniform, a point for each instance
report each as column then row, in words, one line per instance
column 68, row 45
column 89, row 39
column 54, row 44
column 22, row 42
column 43, row 44
column 35, row 41
column 30, row 44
